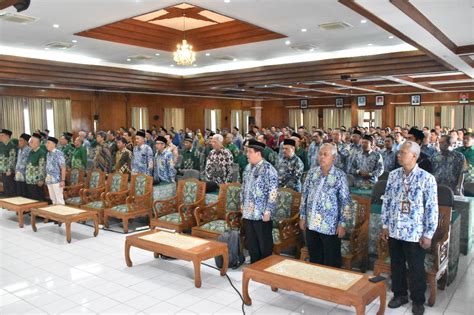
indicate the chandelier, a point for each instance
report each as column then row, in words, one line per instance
column 184, row 55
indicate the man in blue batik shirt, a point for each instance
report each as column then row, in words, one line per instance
column 410, row 219
column 325, row 209
column 55, row 172
column 164, row 171
column 142, row 158
column 258, row 198
column 367, row 165
column 20, row 169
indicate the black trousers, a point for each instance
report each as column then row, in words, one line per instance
column 401, row 254
column 324, row 249
column 258, row 238
column 9, row 188
column 35, row 192
column 211, row 187
column 21, row 189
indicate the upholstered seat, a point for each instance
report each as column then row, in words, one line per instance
column 95, row 184
column 74, row 183
column 73, row 201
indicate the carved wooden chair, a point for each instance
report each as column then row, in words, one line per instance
column 436, row 259
column 95, row 200
column 95, row 181
column 214, row 219
column 177, row 213
column 132, row 203
column 74, row 183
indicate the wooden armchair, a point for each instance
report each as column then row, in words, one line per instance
column 74, row 183
column 177, row 213
column 95, row 181
column 132, row 203
column 94, row 200
column 214, row 219
column 436, row 259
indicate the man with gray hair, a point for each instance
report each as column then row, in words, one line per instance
column 410, row 219
column 325, row 209
column 219, row 162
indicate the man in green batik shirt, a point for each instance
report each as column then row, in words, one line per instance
column 79, row 155
column 35, row 169
column 468, row 151
column 190, row 155
column 269, row 154
column 66, row 147
column 229, row 145
column 300, row 152
column 8, row 152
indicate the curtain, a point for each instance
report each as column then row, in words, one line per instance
column 345, row 117
column 378, row 118
column 404, row 115
column 218, row 118
column 245, row 120
column 469, row 116
column 424, row 116
column 310, row 118
column 62, row 116
column 236, row 119
column 360, row 117
column 458, row 116
column 174, row 117
column 136, row 117
column 207, row 118
column 330, row 118
column 144, row 118
column 12, row 116
column 452, row 116
column 37, row 112
column 294, row 118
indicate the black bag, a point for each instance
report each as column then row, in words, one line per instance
column 236, row 256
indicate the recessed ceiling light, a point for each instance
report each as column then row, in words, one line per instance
column 46, row 48
column 304, row 30
column 363, row 21
column 157, row 54
column 195, row 65
column 56, row 25
column 235, row 59
column 290, row 86
column 266, row 85
column 333, row 83
column 74, row 41
column 369, row 44
column 312, row 49
column 128, row 59
column 391, row 36
column 226, row 1
column 287, row 42
column 171, row 65
column 208, row 54
column 243, row 90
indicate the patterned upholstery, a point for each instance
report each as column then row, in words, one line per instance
column 219, row 226
column 120, row 208
column 172, row 217
column 211, row 198
column 429, row 262
column 164, row 191
column 99, row 204
column 74, row 201
column 350, row 224
column 232, row 199
column 74, row 176
column 116, row 182
column 140, row 185
column 345, row 247
column 190, row 192
column 283, row 208
column 276, row 236
column 94, row 181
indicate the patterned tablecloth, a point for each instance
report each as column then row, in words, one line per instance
column 174, row 239
column 465, row 207
column 18, row 201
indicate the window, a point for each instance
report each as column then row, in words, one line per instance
column 50, row 119
column 213, row 120
column 26, row 120
column 369, row 119
column 140, row 117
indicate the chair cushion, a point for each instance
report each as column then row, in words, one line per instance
column 99, row 204
column 351, row 223
column 116, row 183
column 190, row 190
column 345, row 247
column 94, row 181
column 120, row 208
column 73, row 201
column 164, row 191
column 283, row 207
column 172, row 217
column 219, row 226
column 74, row 176
column 232, row 199
column 140, row 185
column 211, row 198
column 276, row 236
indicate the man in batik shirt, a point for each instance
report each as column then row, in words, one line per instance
column 66, row 147
column 290, row 168
column 218, row 165
column 20, row 169
column 325, row 209
column 79, row 155
column 354, row 148
column 103, row 157
column 142, row 158
column 8, row 152
column 268, row 153
column 299, row 151
column 123, row 157
column 35, row 169
column 343, row 154
column 229, row 145
column 190, row 155
column 409, row 218
column 448, row 166
column 314, row 148
column 258, row 198
column 389, row 155
column 367, row 166
column 468, row 151
column 164, row 171
column 55, row 172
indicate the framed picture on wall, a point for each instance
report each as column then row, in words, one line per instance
column 304, row 104
column 339, row 102
column 463, row 98
column 379, row 100
column 361, row 101
column 416, row 100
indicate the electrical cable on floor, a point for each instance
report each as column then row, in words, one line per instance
column 232, row 285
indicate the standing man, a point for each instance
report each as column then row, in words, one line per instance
column 258, row 199
column 190, row 155
column 103, row 157
column 448, row 166
column 55, row 172
column 8, row 152
column 66, row 147
column 123, row 157
column 142, row 158
column 229, row 145
column 389, row 156
column 290, row 167
column 79, row 155
column 219, row 163
column 314, row 148
column 20, row 169
column 410, row 219
column 468, row 151
column 35, row 169
column 268, row 153
column 164, row 163
column 343, row 154
column 367, row 166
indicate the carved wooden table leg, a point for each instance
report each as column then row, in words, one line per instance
column 68, row 231
column 274, row 289
column 245, row 289
column 225, row 262
column 127, row 254
column 360, row 309
column 96, row 224
column 197, row 273
column 21, row 218
column 383, row 300
column 33, row 222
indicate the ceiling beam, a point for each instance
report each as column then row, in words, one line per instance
column 409, row 81
column 350, row 85
column 462, row 50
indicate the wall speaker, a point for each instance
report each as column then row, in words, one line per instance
column 156, row 117
column 251, row 120
column 96, row 117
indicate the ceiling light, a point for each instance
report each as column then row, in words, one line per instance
column 184, row 55
column 311, row 49
column 304, row 30
column 195, row 65
column 363, row 21
column 56, row 25
column 243, row 90
column 290, row 86
column 171, row 65
column 226, row 1
column 157, row 54
column 287, row 42
column 46, row 48
column 235, row 59
column 369, row 44
column 74, row 41
column 208, row 54
column 391, row 36
column 266, row 85
column 128, row 59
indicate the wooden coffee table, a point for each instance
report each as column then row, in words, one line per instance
column 330, row 284
column 179, row 246
column 65, row 214
column 21, row 205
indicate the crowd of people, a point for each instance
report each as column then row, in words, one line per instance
column 319, row 163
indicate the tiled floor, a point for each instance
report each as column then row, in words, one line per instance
column 40, row 273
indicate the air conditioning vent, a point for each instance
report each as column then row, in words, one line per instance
column 334, row 26
column 224, row 58
column 304, row 47
column 17, row 18
column 140, row 57
column 59, row 45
